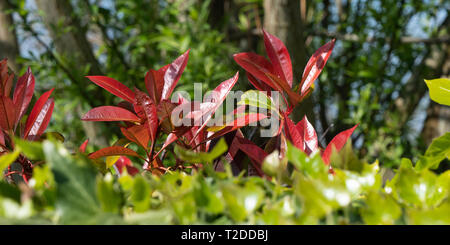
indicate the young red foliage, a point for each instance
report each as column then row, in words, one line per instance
column 315, row 66
column 258, row 84
column 7, row 113
column 113, row 151
column 6, row 79
column 23, row 93
column 253, row 151
column 83, row 146
column 304, row 137
column 173, row 74
column 139, row 111
column 292, row 134
column 218, row 95
column 138, row 134
column 277, row 73
column 42, row 107
column 257, row 66
column 309, row 135
column 13, row 109
column 238, row 123
column 114, row 87
column 125, row 162
column 337, row 142
column 147, row 115
column 42, row 120
column 279, row 57
column 145, row 108
column 154, row 82
column 110, row 113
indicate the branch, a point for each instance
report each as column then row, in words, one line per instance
column 113, row 45
column 356, row 38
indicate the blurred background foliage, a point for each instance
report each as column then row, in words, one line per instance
column 374, row 77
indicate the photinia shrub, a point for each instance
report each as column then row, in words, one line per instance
column 276, row 74
column 146, row 116
column 14, row 109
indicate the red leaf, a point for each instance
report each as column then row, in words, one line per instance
column 42, row 120
column 83, row 146
column 126, row 105
column 6, row 80
column 257, row 66
column 154, row 82
column 292, row 133
column 145, row 108
column 279, row 56
column 110, row 113
column 338, row 141
column 252, row 150
column 308, row 133
column 138, row 134
column 125, row 162
column 113, row 151
column 2, row 138
column 234, row 147
column 173, row 74
column 35, row 113
column 315, row 66
column 114, row 87
column 23, row 93
column 258, row 84
column 164, row 111
column 7, row 113
column 293, row 97
column 217, row 97
column 237, row 123
column 246, row 146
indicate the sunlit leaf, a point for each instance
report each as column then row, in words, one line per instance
column 439, row 90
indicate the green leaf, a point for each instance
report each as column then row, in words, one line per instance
column 6, row 160
column 346, row 159
column 380, row 209
column 272, row 164
column 242, row 201
column 9, row 191
column 259, row 99
column 439, row 90
column 207, row 196
column 108, row 195
column 438, row 150
column 201, row 157
column 140, row 194
column 76, row 182
column 418, row 189
column 435, row 216
column 309, row 165
column 276, row 167
column 31, row 149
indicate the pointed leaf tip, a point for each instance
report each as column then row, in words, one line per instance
column 338, row 141
column 114, row 87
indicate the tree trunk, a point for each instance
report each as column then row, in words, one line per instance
column 75, row 50
column 72, row 43
column 283, row 18
column 9, row 47
column 216, row 13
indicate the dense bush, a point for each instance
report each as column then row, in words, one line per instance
column 69, row 190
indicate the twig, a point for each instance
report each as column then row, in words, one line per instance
column 404, row 39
